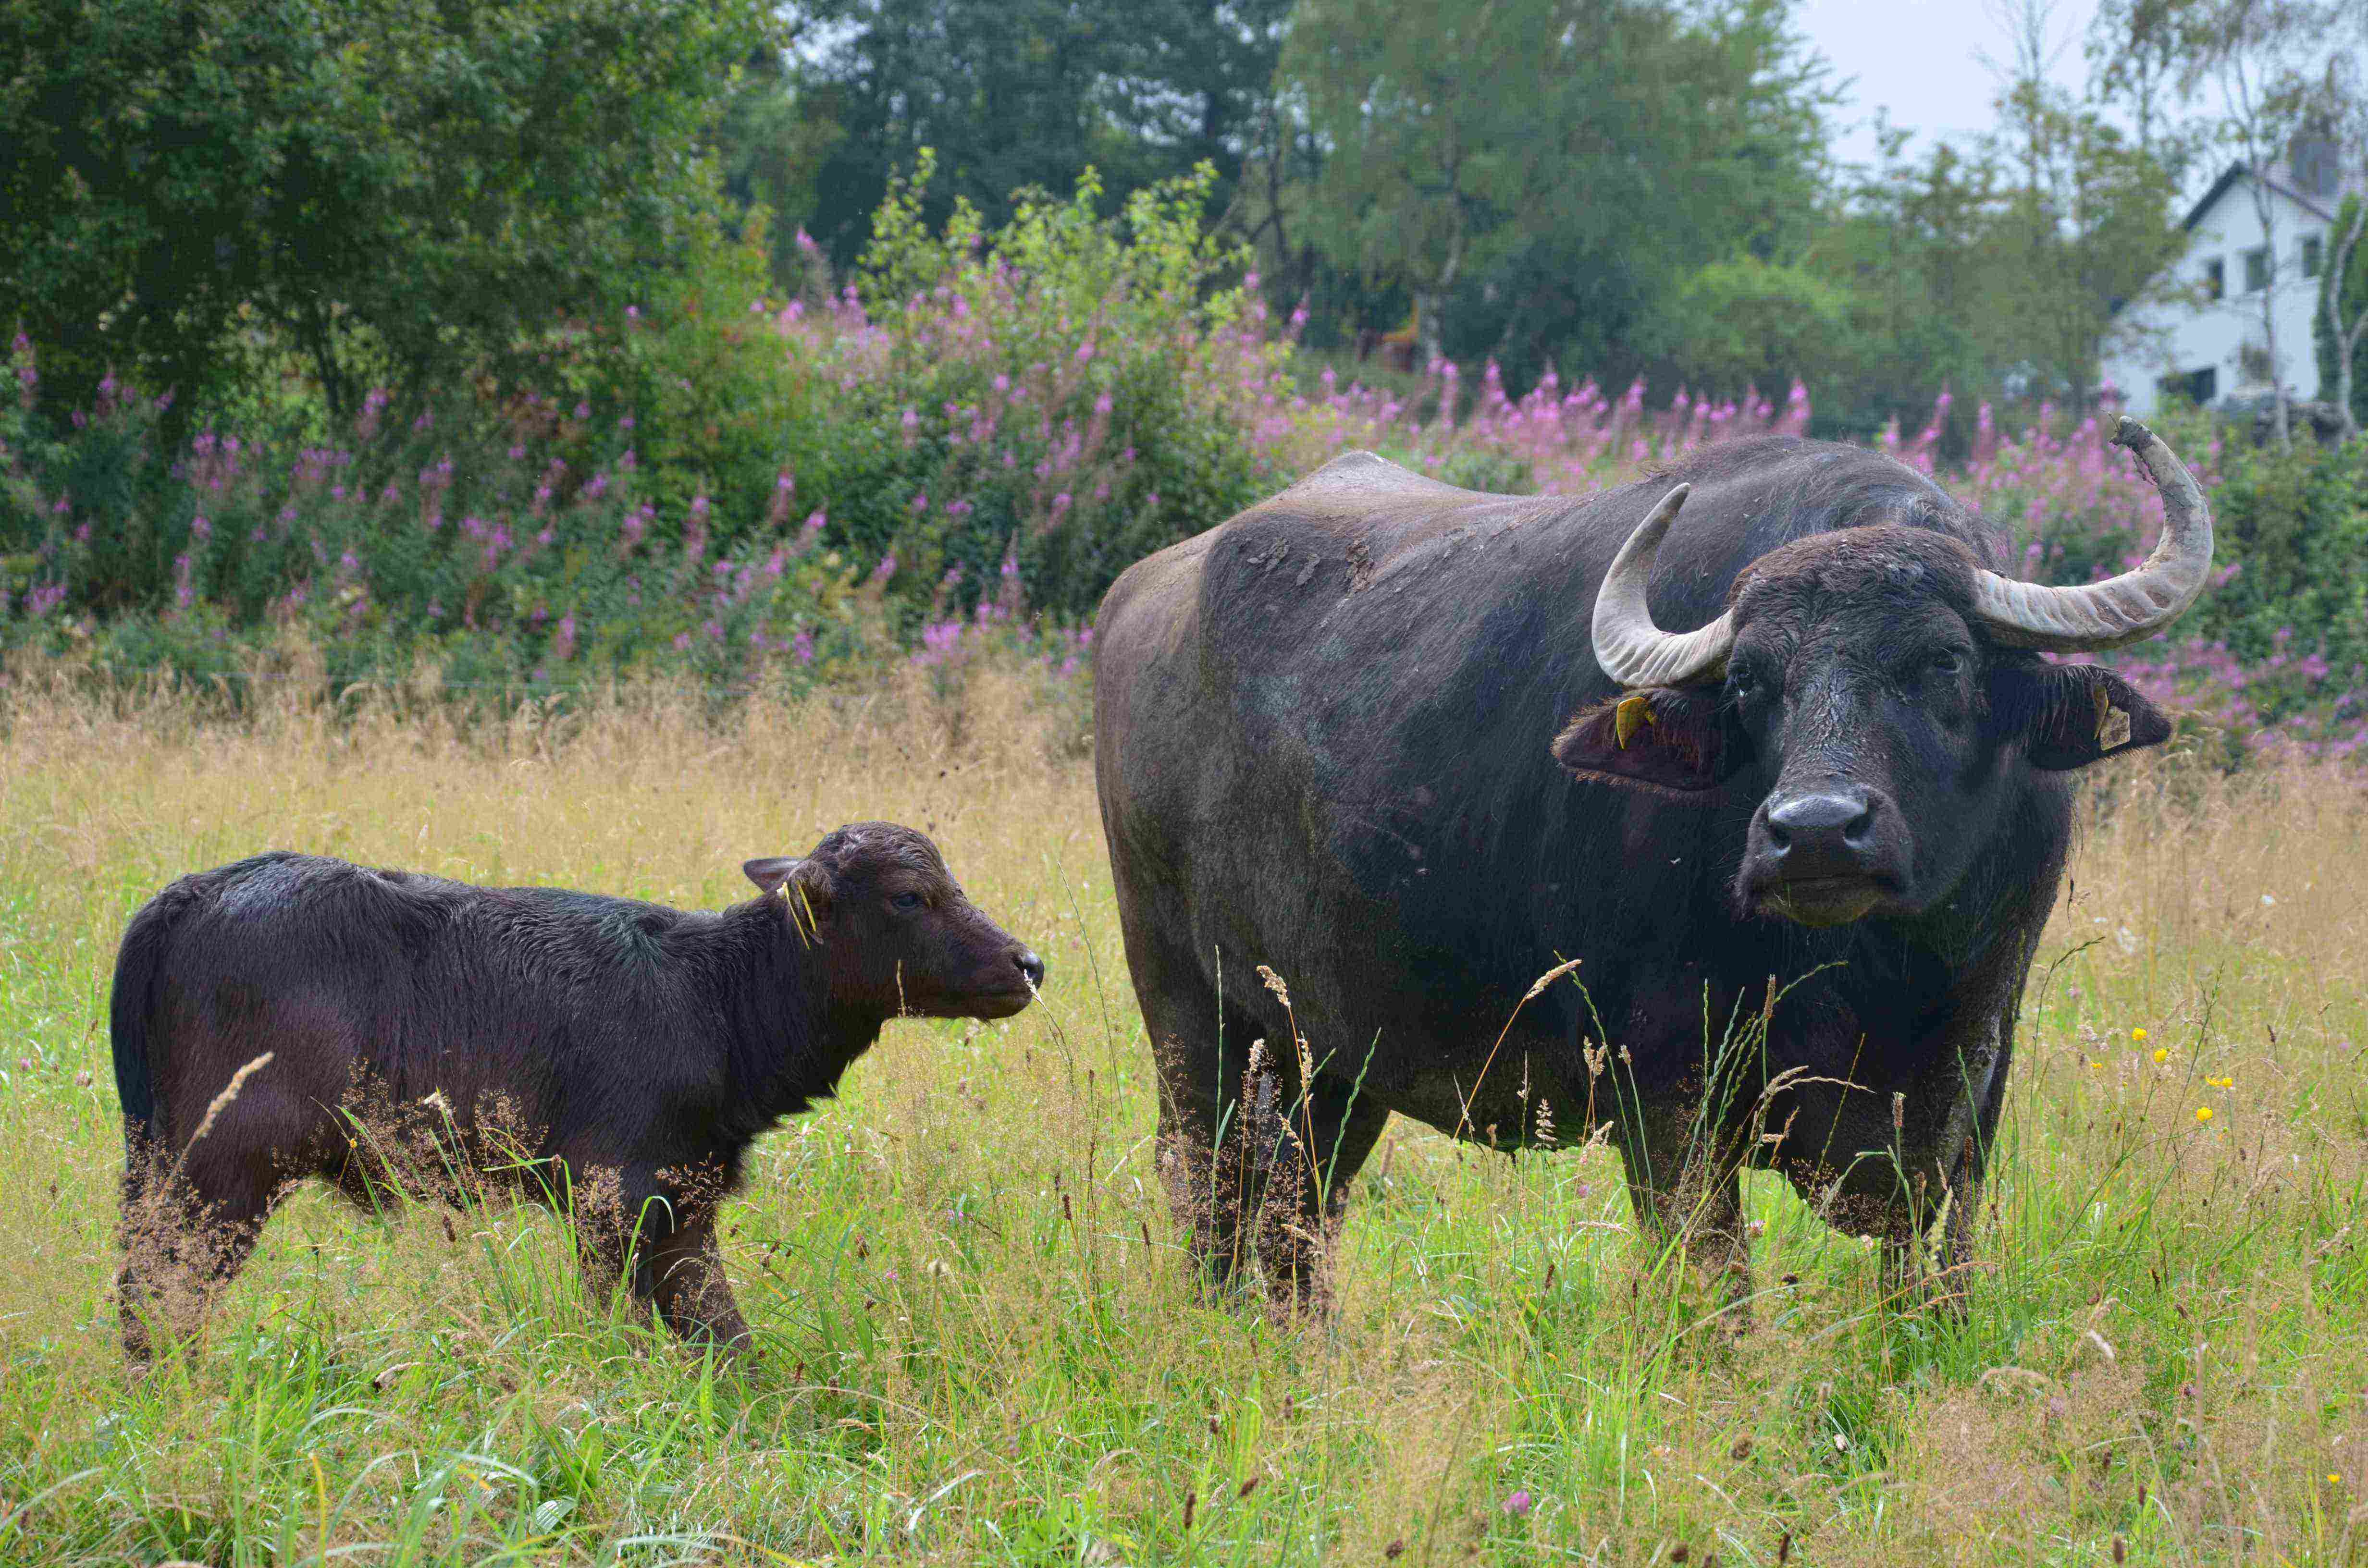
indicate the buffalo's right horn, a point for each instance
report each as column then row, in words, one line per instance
column 2127, row 608
column 1632, row 650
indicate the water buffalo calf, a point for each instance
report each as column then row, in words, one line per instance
column 289, row 1016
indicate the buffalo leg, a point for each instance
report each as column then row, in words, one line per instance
column 1209, row 1153
column 1325, row 1142
column 1687, row 1187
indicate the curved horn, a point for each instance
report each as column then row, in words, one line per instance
column 2124, row 609
column 1632, row 650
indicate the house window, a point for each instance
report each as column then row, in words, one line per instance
column 2257, row 269
column 2198, row 387
column 2215, row 279
column 2314, row 255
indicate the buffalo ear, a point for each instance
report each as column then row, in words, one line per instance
column 2072, row 715
column 1675, row 738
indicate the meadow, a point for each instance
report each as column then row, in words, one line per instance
column 979, row 1337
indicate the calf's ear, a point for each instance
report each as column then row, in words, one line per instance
column 770, row 872
column 793, row 876
column 2072, row 715
column 1680, row 738
column 803, row 884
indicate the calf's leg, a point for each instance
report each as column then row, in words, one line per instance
column 187, row 1233
column 667, row 1236
column 682, row 1273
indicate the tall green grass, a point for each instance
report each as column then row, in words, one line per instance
column 980, row 1341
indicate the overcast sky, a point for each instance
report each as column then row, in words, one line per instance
column 1922, row 60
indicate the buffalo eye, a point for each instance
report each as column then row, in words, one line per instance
column 1948, row 664
column 906, row 901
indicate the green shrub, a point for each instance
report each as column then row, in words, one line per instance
column 1063, row 395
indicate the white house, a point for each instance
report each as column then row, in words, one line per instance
column 2214, row 348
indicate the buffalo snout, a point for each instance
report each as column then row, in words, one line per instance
column 1824, row 853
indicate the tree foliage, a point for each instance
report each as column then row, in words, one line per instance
column 398, row 190
column 1550, row 166
column 2341, row 318
column 1028, row 95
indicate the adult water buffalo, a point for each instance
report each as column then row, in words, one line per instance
column 1362, row 735
column 291, row 1017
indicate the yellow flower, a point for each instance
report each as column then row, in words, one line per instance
column 2333, row 1479
column 2203, row 1113
column 2096, row 1064
column 2138, row 1035
column 2161, row 1055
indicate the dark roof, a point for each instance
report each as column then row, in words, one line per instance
column 2235, row 172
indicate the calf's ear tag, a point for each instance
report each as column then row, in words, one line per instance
column 1633, row 714
column 2113, row 723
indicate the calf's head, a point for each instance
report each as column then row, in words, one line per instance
column 892, row 932
column 1880, row 693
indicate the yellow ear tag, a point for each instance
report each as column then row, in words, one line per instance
column 1633, row 713
column 2113, row 724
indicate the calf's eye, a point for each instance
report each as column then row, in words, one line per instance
column 906, row 901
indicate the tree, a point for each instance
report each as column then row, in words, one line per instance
column 2084, row 226
column 771, row 140
column 2340, row 325
column 1909, row 242
column 1027, row 95
column 1534, row 167
column 1439, row 131
column 2139, row 53
column 1747, row 325
column 397, row 189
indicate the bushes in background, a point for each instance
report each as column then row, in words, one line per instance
column 959, row 451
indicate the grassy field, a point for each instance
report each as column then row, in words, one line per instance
column 980, row 1341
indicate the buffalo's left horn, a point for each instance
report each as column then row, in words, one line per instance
column 2124, row 609
column 1632, row 650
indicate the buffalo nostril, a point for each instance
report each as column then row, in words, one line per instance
column 1032, row 966
column 1846, row 815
